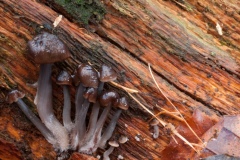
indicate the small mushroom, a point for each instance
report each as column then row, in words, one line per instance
column 122, row 104
column 155, row 123
column 46, row 49
column 88, row 77
column 106, row 74
column 90, row 95
column 113, row 144
column 64, row 79
column 123, row 139
column 106, row 99
column 16, row 96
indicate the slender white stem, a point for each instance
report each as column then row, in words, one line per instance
column 107, row 153
column 45, row 110
column 37, row 122
column 109, row 130
column 67, row 122
column 78, row 104
column 81, row 123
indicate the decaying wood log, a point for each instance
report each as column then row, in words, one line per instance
column 195, row 66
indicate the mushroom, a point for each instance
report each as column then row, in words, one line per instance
column 46, row 49
column 90, row 95
column 16, row 96
column 122, row 104
column 106, row 99
column 106, row 74
column 88, row 77
column 155, row 123
column 123, row 139
column 64, row 79
column 113, row 144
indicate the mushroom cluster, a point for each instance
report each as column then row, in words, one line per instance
column 85, row 133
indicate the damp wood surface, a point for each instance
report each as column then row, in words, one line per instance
column 195, row 66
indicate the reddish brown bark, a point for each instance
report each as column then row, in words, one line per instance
column 194, row 65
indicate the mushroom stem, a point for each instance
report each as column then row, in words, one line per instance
column 67, row 122
column 100, row 87
column 102, row 119
column 155, row 131
column 89, row 146
column 44, row 107
column 37, row 122
column 92, row 123
column 109, row 130
column 78, row 104
column 82, row 116
column 107, row 153
column 97, row 135
column 93, row 117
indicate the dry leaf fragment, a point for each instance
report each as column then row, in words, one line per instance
column 57, row 21
column 225, row 137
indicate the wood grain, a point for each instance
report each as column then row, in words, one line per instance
column 194, row 65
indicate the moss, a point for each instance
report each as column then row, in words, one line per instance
column 83, row 10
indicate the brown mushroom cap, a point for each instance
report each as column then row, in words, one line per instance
column 13, row 96
column 154, row 122
column 113, row 143
column 47, row 48
column 107, row 74
column 108, row 98
column 122, row 103
column 90, row 94
column 87, row 75
column 64, row 78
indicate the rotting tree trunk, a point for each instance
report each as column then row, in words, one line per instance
column 194, row 65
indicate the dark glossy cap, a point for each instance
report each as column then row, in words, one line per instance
column 90, row 94
column 13, row 96
column 87, row 75
column 64, row 78
column 108, row 98
column 122, row 103
column 47, row 48
column 107, row 74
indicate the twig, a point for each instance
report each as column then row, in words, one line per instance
column 172, row 114
column 150, row 70
column 135, row 99
column 169, row 125
column 124, row 88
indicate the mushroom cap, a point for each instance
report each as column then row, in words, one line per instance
column 87, row 75
column 107, row 98
column 90, row 94
column 154, row 122
column 122, row 103
column 123, row 139
column 113, row 143
column 64, row 78
column 107, row 74
column 13, row 96
column 47, row 48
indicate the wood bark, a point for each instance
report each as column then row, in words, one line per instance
column 195, row 66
